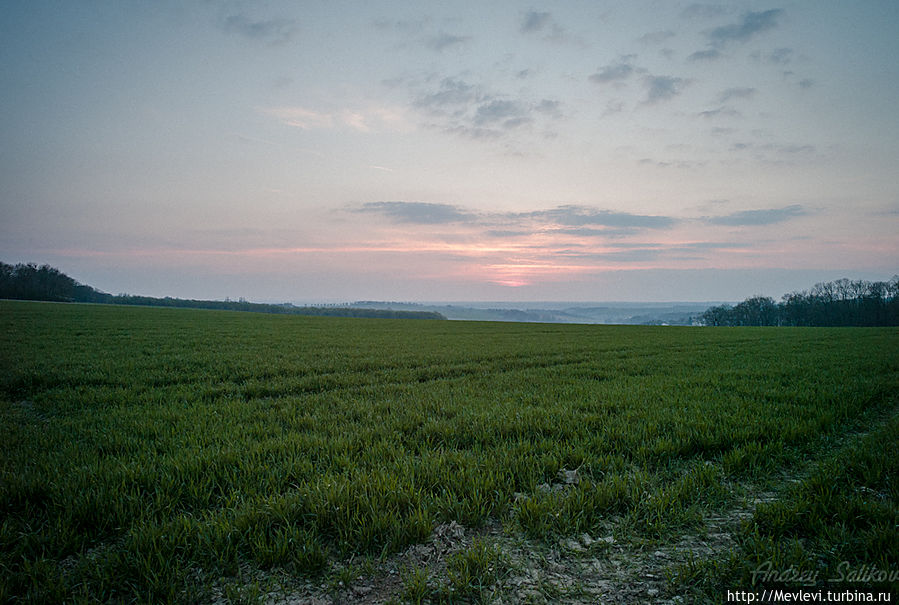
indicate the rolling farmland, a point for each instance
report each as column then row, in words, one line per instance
column 187, row 455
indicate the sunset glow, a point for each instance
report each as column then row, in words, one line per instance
column 583, row 151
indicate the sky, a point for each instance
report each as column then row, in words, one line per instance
column 326, row 151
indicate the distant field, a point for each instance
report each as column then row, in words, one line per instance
column 183, row 455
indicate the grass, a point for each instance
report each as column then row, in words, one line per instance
column 836, row 528
column 149, row 452
column 472, row 575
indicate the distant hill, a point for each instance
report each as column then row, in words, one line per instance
column 676, row 313
column 33, row 282
column 838, row 303
column 842, row 302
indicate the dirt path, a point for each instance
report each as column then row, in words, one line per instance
column 603, row 568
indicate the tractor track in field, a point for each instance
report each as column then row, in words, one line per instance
column 601, row 568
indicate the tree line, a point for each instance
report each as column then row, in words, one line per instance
column 32, row 282
column 842, row 302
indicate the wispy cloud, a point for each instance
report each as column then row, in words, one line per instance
column 443, row 40
column 401, row 26
column 699, row 10
column 549, row 107
column 559, row 218
column 300, row 117
column 604, row 233
column 768, row 216
column 658, row 88
column 543, row 24
column 575, row 215
column 656, row 37
column 663, row 88
column 620, row 70
column 459, row 107
column 422, row 213
column 375, row 119
column 535, row 21
column 775, row 152
column 749, row 25
column 705, row 55
column 736, row 93
column 419, row 33
column 694, row 246
column 273, row 31
column 792, row 149
column 720, row 112
column 516, row 248
column 781, row 56
column 452, row 92
column 678, row 164
column 501, row 233
column 501, row 112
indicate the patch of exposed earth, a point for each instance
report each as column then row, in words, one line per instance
column 606, row 567
column 600, row 568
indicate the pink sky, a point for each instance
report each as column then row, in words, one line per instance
column 433, row 151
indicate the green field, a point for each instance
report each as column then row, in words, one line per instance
column 159, row 455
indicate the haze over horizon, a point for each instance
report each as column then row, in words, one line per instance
column 503, row 151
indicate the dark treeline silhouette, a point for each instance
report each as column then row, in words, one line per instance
column 31, row 282
column 838, row 303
